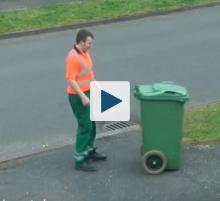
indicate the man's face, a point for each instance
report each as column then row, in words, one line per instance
column 86, row 45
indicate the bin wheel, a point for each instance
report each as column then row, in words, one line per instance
column 154, row 162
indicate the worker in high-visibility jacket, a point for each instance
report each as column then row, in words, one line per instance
column 79, row 74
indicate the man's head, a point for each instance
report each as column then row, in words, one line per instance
column 84, row 40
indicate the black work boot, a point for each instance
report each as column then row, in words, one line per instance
column 85, row 166
column 95, row 156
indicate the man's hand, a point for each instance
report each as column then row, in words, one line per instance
column 85, row 100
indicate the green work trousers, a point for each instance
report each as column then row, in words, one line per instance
column 86, row 131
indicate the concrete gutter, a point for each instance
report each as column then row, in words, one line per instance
column 101, row 22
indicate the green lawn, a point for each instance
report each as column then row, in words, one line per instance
column 202, row 124
column 85, row 11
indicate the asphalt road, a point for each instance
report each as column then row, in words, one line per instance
column 51, row 177
column 34, row 111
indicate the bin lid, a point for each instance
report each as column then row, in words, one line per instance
column 161, row 91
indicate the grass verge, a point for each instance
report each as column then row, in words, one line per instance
column 84, row 11
column 202, row 124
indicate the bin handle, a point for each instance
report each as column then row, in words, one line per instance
column 172, row 93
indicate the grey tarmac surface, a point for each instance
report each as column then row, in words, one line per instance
column 34, row 111
column 50, row 176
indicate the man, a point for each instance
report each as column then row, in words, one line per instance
column 79, row 74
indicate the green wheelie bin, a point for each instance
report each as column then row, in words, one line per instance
column 162, row 111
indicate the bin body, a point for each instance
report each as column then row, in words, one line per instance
column 162, row 129
column 162, row 112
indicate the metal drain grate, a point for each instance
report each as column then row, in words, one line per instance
column 117, row 125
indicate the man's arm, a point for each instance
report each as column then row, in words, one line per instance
column 97, row 86
column 80, row 93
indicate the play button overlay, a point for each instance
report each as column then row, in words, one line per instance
column 109, row 101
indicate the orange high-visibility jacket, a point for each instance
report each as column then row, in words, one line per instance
column 79, row 68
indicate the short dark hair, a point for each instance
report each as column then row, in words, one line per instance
column 82, row 35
